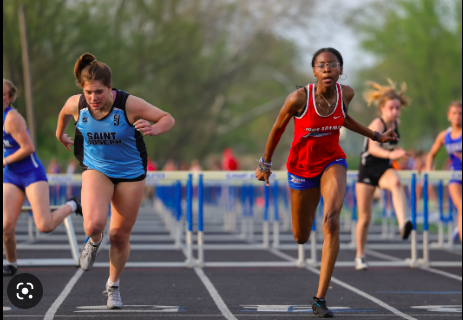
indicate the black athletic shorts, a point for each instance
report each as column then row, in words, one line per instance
column 115, row 181
column 371, row 175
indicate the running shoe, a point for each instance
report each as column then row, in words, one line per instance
column 406, row 230
column 114, row 297
column 89, row 254
column 320, row 309
column 79, row 205
column 361, row 264
column 9, row 270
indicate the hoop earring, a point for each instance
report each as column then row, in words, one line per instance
column 342, row 78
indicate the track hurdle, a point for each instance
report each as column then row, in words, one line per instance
column 440, row 178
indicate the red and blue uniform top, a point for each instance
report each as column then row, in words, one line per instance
column 316, row 137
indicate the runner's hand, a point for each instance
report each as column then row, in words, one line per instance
column 66, row 141
column 263, row 176
column 387, row 136
column 397, row 153
column 145, row 127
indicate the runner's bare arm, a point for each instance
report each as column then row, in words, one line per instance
column 69, row 110
column 438, row 143
column 141, row 113
column 294, row 103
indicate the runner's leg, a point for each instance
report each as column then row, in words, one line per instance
column 38, row 194
column 97, row 192
column 333, row 189
column 125, row 206
column 13, row 199
column 455, row 193
column 364, row 193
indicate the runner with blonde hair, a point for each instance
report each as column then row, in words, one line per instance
column 376, row 164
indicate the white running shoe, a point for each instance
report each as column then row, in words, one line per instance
column 89, row 254
column 114, row 297
column 361, row 264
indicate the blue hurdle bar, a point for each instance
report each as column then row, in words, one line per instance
column 189, row 217
column 276, row 220
column 266, row 230
column 425, row 219
column 200, row 220
column 413, row 206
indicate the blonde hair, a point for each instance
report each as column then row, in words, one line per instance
column 13, row 91
column 379, row 94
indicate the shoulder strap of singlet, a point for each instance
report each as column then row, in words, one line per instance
column 298, row 114
column 121, row 99
column 396, row 127
column 384, row 124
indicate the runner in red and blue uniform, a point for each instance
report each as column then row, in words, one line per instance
column 316, row 164
column 451, row 138
column 24, row 176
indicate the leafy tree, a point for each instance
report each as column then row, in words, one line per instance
column 418, row 42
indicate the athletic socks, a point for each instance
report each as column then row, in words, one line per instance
column 14, row 264
column 96, row 243
column 73, row 205
column 112, row 284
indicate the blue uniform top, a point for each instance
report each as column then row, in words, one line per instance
column 110, row 145
column 10, row 146
column 453, row 146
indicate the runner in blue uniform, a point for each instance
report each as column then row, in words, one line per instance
column 110, row 148
column 24, row 176
column 451, row 139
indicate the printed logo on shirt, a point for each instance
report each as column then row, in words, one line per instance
column 117, row 119
column 296, row 179
column 84, row 119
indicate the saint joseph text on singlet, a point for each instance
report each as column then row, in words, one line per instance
column 102, row 138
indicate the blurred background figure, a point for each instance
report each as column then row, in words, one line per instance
column 195, row 166
column 149, row 193
column 72, row 169
column 170, row 165
column 214, row 164
column 152, row 166
column 184, row 166
column 229, row 161
column 54, row 168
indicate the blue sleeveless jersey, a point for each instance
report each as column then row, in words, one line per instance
column 10, row 146
column 111, row 145
column 453, row 146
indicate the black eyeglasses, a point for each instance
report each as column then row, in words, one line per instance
column 331, row 65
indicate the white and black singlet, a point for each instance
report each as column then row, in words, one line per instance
column 372, row 168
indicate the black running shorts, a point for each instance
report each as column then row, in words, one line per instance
column 370, row 175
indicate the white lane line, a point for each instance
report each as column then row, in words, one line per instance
column 381, row 255
column 442, row 273
column 436, row 271
column 353, row 289
column 63, row 295
column 214, row 294
column 365, row 295
column 212, row 291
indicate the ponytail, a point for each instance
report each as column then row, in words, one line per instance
column 87, row 68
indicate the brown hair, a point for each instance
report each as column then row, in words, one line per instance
column 13, row 91
column 87, row 68
column 379, row 94
column 455, row 104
